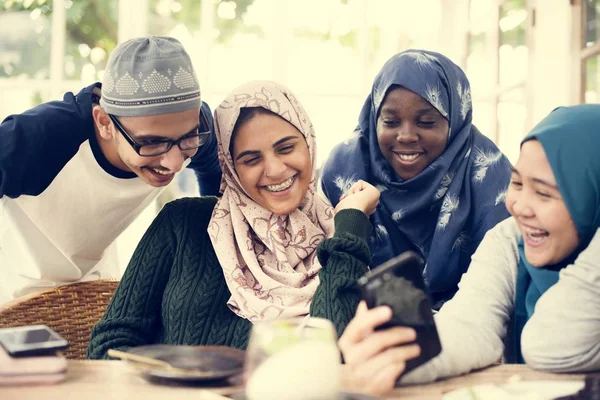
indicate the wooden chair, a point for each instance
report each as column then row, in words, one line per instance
column 71, row 310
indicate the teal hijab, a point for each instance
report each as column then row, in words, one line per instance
column 570, row 137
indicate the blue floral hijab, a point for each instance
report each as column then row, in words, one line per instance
column 571, row 140
column 444, row 212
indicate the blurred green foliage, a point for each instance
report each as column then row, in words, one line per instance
column 92, row 32
column 90, row 24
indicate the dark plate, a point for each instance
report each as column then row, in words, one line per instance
column 343, row 396
column 193, row 363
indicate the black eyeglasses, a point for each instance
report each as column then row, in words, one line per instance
column 189, row 142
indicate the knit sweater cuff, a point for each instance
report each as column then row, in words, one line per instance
column 354, row 222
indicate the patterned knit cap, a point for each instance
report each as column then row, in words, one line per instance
column 148, row 76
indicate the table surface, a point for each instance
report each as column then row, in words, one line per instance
column 104, row 380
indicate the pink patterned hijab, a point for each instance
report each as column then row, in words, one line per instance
column 269, row 261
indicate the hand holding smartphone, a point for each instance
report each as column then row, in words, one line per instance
column 398, row 283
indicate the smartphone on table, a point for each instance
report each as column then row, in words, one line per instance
column 398, row 283
column 33, row 340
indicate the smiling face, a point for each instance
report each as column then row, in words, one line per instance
column 272, row 162
column 158, row 170
column 533, row 198
column 410, row 131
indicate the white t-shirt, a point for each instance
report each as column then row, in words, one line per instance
column 64, row 234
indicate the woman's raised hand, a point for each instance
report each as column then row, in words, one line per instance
column 362, row 196
column 375, row 359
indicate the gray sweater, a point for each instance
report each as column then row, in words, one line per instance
column 563, row 335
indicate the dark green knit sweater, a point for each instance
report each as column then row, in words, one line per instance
column 174, row 291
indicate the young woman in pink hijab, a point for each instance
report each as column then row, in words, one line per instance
column 269, row 248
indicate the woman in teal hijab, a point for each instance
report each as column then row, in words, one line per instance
column 532, row 291
column 570, row 139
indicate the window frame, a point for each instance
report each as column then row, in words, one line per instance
column 494, row 96
column 585, row 53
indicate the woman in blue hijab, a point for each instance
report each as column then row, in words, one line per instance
column 441, row 180
column 533, row 288
column 553, row 238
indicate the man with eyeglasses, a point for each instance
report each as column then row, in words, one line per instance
column 74, row 174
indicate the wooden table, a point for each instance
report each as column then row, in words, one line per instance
column 108, row 380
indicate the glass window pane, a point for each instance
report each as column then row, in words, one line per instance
column 591, row 22
column 397, row 25
column 25, row 31
column 243, row 43
column 241, row 49
column 512, row 116
column 26, row 44
column 513, row 52
column 15, row 100
column 481, row 48
column 481, row 76
column 592, row 79
column 324, row 54
column 169, row 17
column 92, row 34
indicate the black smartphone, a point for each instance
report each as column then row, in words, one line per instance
column 398, row 283
column 34, row 340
